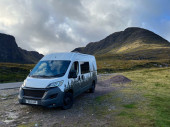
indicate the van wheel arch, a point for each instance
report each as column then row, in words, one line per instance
column 67, row 99
column 94, row 82
column 69, row 91
column 92, row 89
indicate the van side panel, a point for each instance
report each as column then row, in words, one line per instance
column 91, row 76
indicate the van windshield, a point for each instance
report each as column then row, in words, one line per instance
column 50, row 68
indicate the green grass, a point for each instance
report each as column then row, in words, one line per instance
column 11, row 72
column 155, row 87
column 129, row 106
column 143, row 102
column 28, row 125
column 112, row 64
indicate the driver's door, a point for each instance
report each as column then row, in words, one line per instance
column 75, row 82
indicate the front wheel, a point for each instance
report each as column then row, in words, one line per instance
column 67, row 101
column 92, row 89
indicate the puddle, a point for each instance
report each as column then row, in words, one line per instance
column 10, row 117
column 3, row 94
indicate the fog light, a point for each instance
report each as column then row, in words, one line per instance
column 53, row 96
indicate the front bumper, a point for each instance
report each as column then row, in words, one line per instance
column 52, row 97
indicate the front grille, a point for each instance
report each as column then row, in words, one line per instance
column 34, row 93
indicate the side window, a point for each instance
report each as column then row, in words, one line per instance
column 84, row 67
column 75, row 67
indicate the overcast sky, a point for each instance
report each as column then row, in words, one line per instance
column 61, row 25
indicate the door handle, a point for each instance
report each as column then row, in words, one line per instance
column 78, row 77
column 82, row 77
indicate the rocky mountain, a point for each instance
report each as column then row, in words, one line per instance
column 132, row 43
column 10, row 52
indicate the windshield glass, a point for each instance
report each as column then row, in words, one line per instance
column 50, row 68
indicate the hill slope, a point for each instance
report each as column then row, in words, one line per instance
column 10, row 52
column 132, row 43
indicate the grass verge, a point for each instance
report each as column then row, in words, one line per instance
column 143, row 102
column 155, row 87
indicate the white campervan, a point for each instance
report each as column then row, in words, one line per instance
column 58, row 78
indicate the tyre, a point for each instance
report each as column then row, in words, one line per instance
column 67, row 101
column 92, row 89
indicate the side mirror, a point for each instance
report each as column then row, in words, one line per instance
column 30, row 70
column 72, row 74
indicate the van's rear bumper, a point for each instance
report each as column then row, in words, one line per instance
column 52, row 97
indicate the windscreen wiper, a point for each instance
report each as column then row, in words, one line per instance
column 38, row 76
column 44, row 76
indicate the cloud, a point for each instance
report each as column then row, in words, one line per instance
column 60, row 25
column 153, row 15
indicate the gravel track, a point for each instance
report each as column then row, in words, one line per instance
column 81, row 114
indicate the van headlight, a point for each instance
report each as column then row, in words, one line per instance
column 23, row 84
column 55, row 84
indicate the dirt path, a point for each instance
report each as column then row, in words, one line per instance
column 4, row 86
column 81, row 114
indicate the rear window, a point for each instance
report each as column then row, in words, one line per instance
column 84, row 67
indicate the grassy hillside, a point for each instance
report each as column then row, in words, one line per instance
column 137, row 46
column 131, row 41
column 10, row 52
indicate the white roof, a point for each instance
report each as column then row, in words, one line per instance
column 66, row 56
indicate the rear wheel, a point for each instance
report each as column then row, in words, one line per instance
column 92, row 89
column 67, row 101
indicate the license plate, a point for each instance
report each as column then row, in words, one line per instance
column 31, row 102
